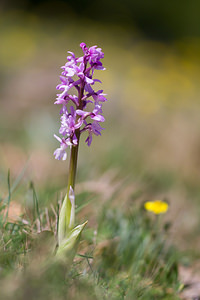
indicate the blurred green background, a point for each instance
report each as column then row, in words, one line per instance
column 152, row 136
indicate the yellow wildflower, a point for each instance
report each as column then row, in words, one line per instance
column 157, row 206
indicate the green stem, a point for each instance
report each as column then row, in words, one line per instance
column 72, row 170
column 73, row 164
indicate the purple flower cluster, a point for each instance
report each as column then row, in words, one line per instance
column 77, row 75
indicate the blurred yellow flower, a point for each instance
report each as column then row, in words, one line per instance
column 157, row 206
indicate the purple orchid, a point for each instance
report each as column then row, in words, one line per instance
column 77, row 75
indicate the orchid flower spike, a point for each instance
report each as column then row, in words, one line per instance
column 77, row 74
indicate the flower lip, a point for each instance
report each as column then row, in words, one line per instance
column 60, row 153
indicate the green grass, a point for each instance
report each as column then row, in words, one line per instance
column 128, row 257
